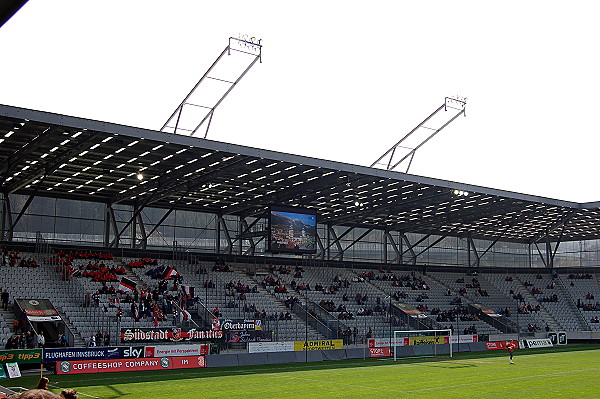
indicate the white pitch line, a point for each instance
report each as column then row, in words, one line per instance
column 78, row 392
column 502, row 380
column 437, row 388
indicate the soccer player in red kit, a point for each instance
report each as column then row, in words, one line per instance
column 511, row 347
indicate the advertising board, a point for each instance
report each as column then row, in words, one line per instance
column 318, row 345
column 58, row 354
column 173, row 350
column 264, row 347
column 21, row 356
column 118, row 365
column 380, row 352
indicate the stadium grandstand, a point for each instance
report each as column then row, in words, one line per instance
column 383, row 240
column 109, row 231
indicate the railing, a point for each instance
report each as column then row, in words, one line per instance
column 68, row 333
column 190, row 320
column 571, row 304
column 499, row 322
column 309, row 318
column 326, row 319
column 204, row 314
column 415, row 323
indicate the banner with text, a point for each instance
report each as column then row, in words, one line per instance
column 538, row 343
column 380, row 352
column 318, row 345
column 58, row 354
column 21, row 356
column 379, row 342
column 497, row 345
column 236, row 325
column 263, row 347
column 435, row 340
column 405, row 341
column 173, row 350
column 248, row 336
column 38, row 309
column 111, row 366
column 167, row 335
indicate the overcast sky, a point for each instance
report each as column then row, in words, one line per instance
column 340, row 80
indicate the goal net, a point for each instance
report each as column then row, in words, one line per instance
column 422, row 343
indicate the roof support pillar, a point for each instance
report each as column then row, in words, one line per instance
column 218, row 233
column 157, row 225
column 432, row 244
column 136, row 212
column 549, row 257
column 8, row 235
column 223, row 228
column 245, row 232
column 321, row 252
column 243, row 226
column 542, row 257
column 411, row 248
column 111, row 222
column 363, row 235
column 471, row 246
column 389, row 240
column 144, row 237
column 6, row 218
column 336, row 241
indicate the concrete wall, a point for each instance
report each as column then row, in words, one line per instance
column 255, row 359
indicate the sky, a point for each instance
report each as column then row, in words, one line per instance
column 339, row 80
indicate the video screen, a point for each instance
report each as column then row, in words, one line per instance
column 292, row 230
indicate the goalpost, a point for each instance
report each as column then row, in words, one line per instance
column 423, row 337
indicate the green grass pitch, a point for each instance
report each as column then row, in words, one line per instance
column 567, row 372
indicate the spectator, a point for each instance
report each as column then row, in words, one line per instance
column 41, row 340
column 69, row 394
column 42, row 383
column 5, row 296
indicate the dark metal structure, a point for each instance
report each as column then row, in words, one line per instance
column 51, row 155
column 217, row 82
column 400, row 153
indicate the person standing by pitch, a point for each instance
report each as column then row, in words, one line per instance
column 511, row 347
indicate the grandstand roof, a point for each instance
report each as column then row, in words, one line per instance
column 67, row 157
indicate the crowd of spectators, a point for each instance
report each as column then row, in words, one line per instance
column 26, row 340
column 99, row 339
column 580, row 276
column 96, row 269
column 528, row 308
column 589, row 306
column 13, row 258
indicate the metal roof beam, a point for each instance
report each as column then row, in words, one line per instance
column 340, row 254
column 46, row 169
column 22, row 153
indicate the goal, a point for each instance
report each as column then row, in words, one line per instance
column 422, row 343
